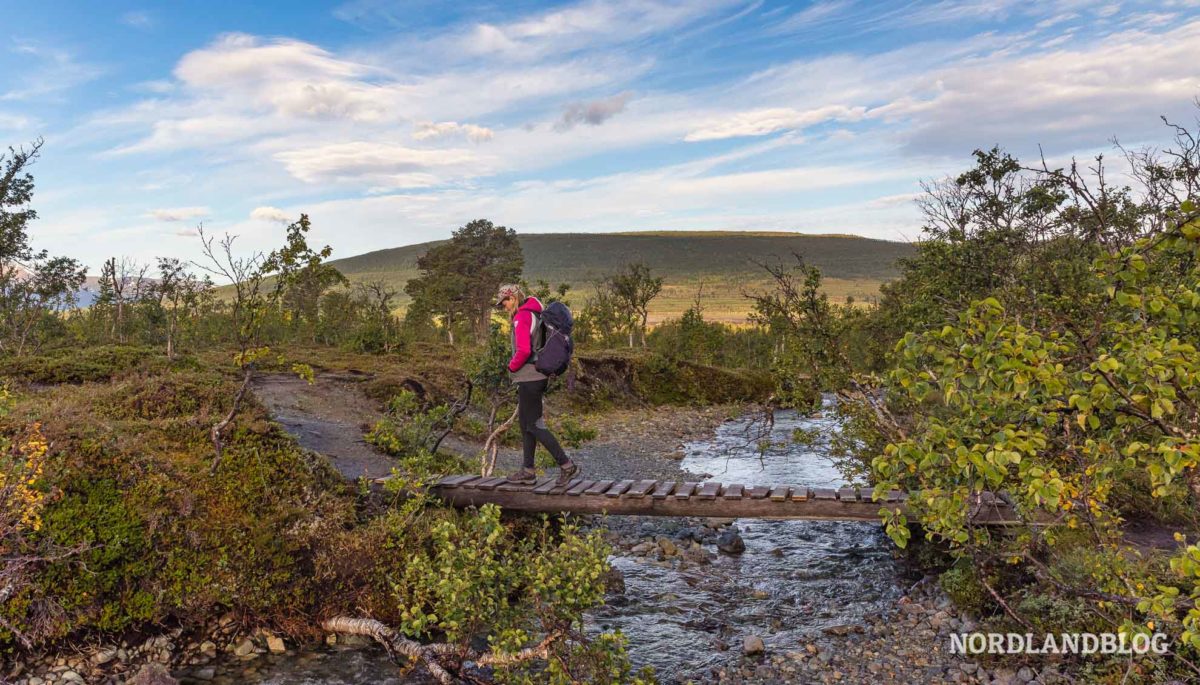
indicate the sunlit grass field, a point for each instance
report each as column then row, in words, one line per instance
column 723, row 267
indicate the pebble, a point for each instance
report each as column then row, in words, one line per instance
column 244, row 648
column 752, row 644
column 275, row 644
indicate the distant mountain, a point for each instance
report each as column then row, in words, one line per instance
column 724, row 262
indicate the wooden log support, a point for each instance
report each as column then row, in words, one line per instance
column 668, row 498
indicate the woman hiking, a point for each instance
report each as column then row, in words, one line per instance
column 531, row 384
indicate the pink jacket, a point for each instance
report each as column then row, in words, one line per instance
column 523, row 322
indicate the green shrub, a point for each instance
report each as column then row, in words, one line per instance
column 962, row 585
column 572, row 433
column 84, row 364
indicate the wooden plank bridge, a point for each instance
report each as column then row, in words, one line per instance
column 671, row 498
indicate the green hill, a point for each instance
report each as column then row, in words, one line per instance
column 723, row 261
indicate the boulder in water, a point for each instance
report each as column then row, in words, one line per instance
column 731, row 542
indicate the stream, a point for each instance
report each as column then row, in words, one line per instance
column 794, row 579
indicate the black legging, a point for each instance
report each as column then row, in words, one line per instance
column 533, row 428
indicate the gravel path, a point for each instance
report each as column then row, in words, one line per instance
column 331, row 414
column 328, row 416
column 644, row 443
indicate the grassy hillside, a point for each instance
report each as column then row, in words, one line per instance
column 723, row 261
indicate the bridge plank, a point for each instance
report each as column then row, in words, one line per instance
column 866, row 494
column 545, row 486
column 524, row 487
column 708, row 491
column 473, row 482
column 579, row 487
column 560, row 488
column 732, row 491
column 823, row 494
column 453, row 481
column 684, row 490
column 598, row 487
column 640, row 488
column 801, row 494
column 490, row 483
column 619, row 488
column 663, row 489
column 848, row 494
column 759, row 491
column 779, row 493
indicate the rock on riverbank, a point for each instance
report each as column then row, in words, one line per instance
column 909, row 644
column 148, row 661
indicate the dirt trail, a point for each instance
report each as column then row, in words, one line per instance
column 329, row 416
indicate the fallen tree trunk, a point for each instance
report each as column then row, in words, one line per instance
column 394, row 643
column 430, row 655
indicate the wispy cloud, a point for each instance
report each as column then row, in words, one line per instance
column 763, row 121
column 174, row 214
column 448, row 129
column 48, row 72
column 138, row 19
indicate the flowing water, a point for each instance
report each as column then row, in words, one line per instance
column 795, row 577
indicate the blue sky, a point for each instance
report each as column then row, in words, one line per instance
column 395, row 122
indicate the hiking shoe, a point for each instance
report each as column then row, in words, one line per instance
column 566, row 472
column 522, row 476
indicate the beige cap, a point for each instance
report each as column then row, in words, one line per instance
column 507, row 290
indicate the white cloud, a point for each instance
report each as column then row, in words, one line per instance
column 764, row 121
column 178, row 213
column 446, row 129
column 379, row 164
column 270, row 214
